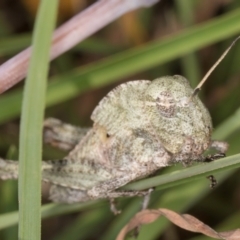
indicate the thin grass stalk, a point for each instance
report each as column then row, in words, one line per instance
column 30, row 154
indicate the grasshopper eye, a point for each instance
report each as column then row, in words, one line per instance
column 166, row 104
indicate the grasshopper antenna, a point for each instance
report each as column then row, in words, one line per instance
column 198, row 88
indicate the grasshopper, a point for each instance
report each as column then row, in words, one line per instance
column 138, row 128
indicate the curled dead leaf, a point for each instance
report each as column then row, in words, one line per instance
column 184, row 221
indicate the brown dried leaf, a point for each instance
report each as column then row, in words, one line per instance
column 184, row 221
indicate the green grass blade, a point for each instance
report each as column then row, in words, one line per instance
column 129, row 62
column 30, row 155
column 187, row 175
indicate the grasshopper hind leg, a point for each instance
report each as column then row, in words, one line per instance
column 62, row 135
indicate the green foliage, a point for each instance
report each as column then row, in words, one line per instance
column 172, row 54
